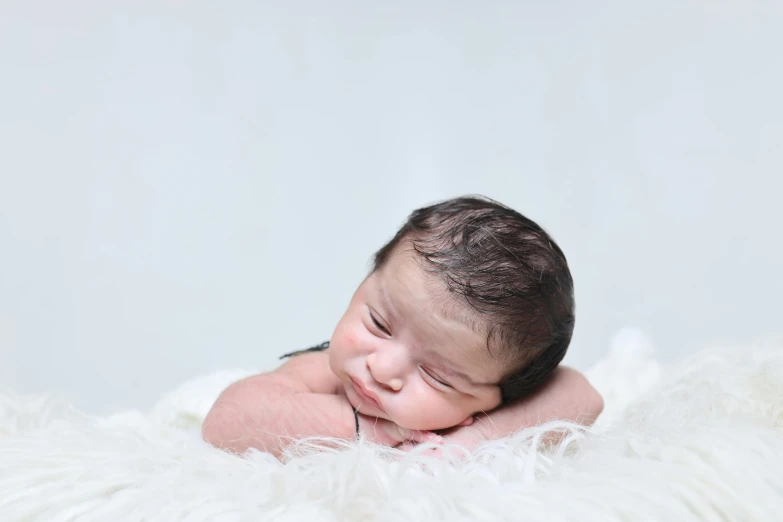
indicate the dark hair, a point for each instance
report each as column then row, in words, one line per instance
column 510, row 272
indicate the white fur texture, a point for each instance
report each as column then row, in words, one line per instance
column 702, row 440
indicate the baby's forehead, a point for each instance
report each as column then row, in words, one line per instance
column 407, row 282
column 436, row 319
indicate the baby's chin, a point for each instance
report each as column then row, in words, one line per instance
column 411, row 424
column 371, row 411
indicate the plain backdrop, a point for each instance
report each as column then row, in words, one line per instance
column 193, row 186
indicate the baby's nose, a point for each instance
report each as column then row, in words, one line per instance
column 384, row 372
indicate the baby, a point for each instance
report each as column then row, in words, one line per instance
column 459, row 329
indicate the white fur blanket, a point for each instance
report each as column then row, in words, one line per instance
column 702, row 440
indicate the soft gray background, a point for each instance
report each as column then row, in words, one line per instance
column 187, row 186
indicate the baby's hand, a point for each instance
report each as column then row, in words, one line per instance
column 382, row 431
column 466, row 434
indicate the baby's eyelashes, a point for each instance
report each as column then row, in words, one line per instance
column 381, row 327
column 433, row 379
column 378, row 324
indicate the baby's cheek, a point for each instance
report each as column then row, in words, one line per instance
column 345, row 335
column 428, row 414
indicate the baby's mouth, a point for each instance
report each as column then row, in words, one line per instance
column 363, row 396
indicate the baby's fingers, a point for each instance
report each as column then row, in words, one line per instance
column 407, row 446
column 436, row 452
column 420, row 436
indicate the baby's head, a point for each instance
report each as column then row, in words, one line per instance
column 469, row 305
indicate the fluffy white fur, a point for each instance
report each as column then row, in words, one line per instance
column 702, row 440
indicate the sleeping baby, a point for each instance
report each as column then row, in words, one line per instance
column 456, row 336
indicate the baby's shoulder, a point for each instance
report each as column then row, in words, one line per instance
column 311, row 367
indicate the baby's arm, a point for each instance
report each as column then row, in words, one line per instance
column 566, row 396
column 267, row 411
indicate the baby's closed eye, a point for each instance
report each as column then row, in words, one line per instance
column 431, row 377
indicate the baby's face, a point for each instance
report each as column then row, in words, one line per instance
column 400, row 358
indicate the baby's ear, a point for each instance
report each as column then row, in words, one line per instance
column 466, row 422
